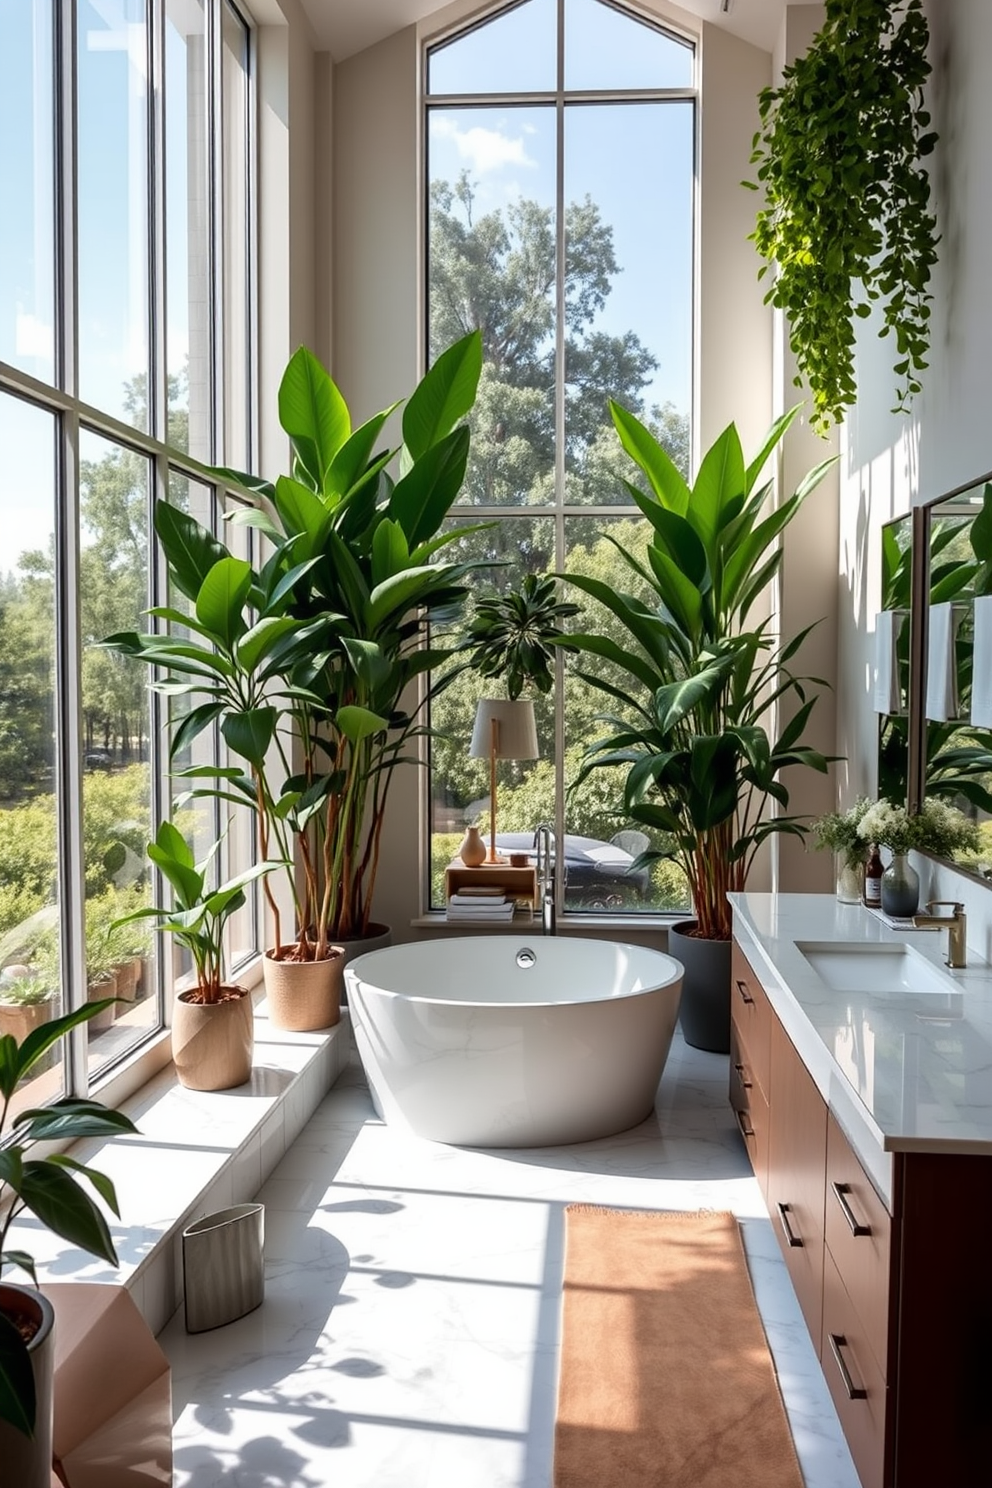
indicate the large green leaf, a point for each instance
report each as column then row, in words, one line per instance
column 359, row 723
column 349, row 464
column 719, row 482
column 220, row 600
column 191, row 551
column 304, row 516
column 667, row 481
column 444, row 395
column 390, row 551
column 423, row 497
column 313, row 414
column 70, row 1119
column 250, row 733
column 57, row 1200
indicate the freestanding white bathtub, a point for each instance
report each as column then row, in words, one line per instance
column 513, row 1041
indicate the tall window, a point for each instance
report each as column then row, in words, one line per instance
column 560, row 166
column 124, row 350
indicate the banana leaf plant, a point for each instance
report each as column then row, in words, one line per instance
column 47, row 1187
column 699, row 691
column 314, row 666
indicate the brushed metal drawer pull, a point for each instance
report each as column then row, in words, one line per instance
column 790, row 1235
column 854, row 1392
column 745, row 994
column 841, row 1190
column 747, row 1084
column 746, row 1131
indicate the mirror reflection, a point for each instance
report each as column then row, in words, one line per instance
column 957, row 682
column 892, row 678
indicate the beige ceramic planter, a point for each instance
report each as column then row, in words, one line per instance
column 304, row 995
column 212, row 1042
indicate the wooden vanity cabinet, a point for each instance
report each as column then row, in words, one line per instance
column 750, row 1061
column 898, row 1298
column 796, row 1164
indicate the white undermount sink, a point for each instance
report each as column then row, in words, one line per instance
column 859, row 966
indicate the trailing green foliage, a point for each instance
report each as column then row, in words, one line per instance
column 47, row 1187
column 698, row 759
column 310, row 664
column 846, row 222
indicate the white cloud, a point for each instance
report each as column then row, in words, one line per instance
column 484, row 149
column 32, row 337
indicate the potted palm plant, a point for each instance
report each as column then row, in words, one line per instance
column 699, row 686
column 314, row 665
column 49, row 1188
column 212, row 1021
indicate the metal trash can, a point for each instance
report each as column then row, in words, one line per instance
column 223, row 1266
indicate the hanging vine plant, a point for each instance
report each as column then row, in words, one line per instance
column 847, row 221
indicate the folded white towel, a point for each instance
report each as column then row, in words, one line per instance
column 942, row 682
column 888, row 694
column 981, row 664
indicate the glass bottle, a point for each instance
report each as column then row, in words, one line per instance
column 873, row 878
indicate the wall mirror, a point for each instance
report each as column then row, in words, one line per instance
column 955, row 694
column 892, row 660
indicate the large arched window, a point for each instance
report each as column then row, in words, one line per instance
column 560, row 142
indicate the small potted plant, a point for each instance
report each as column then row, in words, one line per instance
column 27, row 999
column 49, row 1188
column 936, row 828
column 837, row 831
column 212, row 1021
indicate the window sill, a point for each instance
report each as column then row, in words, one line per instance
column 195, row 1152
column 600, row 925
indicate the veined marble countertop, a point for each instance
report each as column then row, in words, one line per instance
column 902, row 1071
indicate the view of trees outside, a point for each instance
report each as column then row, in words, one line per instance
column 194, row 259
column 547, row 472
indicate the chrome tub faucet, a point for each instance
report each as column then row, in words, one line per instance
column 956, row 925
column 544, row 842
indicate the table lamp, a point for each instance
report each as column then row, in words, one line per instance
column 503, row 730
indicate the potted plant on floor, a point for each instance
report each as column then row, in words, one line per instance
column 49, row 1188
column 314, row 665
column 212, row 1021
column 699, row 690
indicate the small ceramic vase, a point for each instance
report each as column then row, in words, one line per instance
column 473, row 850
column 900, row 888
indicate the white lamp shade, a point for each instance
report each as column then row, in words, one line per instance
column 516, row 731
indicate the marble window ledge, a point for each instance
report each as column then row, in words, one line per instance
column 195, row 1152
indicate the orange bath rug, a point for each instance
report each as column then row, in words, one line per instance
column 666, row 1379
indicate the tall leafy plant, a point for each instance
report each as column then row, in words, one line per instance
column 699, row 690
column 314, row 665
column 846, row 222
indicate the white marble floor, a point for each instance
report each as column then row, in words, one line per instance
column 408, row 1337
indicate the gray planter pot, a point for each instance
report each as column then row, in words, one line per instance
column 27, row 1461
column 704, row 1012
column 223, row 1266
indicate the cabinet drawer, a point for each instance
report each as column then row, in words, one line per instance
column 859, row 1237
column 751, row 1012
column 751, row 1109
column 853, row 1378
column 797, row 1158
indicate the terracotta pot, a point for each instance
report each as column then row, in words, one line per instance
column 27, row 1461
column 212, row 1042
column 20, row 1018
column 127, row 979
column 304, row 995
column 96, row 992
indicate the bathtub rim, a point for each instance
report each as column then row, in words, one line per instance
column 526, row 941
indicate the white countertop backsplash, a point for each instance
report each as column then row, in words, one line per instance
column 902, row 1073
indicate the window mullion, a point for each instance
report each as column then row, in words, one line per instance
column 157, row 102
column 214, row 75
column 560, row 374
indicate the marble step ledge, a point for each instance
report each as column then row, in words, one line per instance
column 195, row 1152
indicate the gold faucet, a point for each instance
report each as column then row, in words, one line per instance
column 956, row 925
